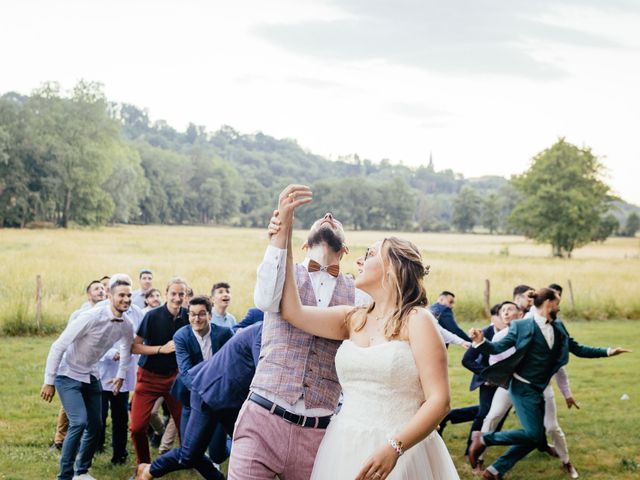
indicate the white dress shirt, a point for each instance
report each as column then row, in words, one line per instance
column 267, row 295
column 205, row 343
column 108, row 367
column 85, row 341
column 271, row 276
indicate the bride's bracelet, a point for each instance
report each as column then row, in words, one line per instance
column 396, row 445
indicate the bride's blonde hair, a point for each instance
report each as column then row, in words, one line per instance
column 402, row 272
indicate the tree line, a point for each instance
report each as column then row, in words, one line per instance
column 77, row 158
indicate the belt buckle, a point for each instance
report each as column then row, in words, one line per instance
column 301, row 420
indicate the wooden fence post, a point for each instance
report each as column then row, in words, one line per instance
column 39, row 301
column 487, row 297
column 571, row 297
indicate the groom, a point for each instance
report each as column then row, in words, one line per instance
column 295, row 389
column 542, row 346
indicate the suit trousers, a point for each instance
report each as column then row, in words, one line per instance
column 197, row 437
column 119, row 423
column 61, row 427
column 218, row 452
column 529, row 403
column 266, row 445
column 149, row 387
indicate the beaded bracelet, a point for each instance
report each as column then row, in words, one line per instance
column 396, row 445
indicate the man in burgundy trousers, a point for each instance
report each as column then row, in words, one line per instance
column 295, row 389
column 158, row 367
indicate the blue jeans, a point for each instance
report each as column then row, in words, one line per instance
column 83, row 404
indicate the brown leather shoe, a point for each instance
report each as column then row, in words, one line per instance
column 476, row 448
column 567, row 467
column 487, row 475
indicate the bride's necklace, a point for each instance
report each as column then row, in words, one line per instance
column 378, row 329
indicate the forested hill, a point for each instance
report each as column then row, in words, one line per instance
column 80, row 159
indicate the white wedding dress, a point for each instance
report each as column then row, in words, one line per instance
column 382, row 393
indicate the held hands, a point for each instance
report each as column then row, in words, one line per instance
column 476, row 335
column 379, row 465
column 571, row 403
column 47, row 392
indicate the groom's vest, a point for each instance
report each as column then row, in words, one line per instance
column 294, row 364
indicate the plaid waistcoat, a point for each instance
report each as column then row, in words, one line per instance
column 294, row 364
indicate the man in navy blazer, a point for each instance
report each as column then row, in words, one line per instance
column 194, row 343
column 219, row 388
column 254, row 315
column 443, row 311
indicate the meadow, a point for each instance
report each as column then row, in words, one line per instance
column 605, row 277
column 603, row 435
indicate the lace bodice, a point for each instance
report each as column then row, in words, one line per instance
column 380, row 384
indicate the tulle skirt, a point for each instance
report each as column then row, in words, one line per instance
column 346, row 447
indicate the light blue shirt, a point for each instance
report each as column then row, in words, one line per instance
column 226, row 320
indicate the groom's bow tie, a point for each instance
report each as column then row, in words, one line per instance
column 332, row 270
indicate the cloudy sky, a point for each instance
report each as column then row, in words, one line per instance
column 483, row 84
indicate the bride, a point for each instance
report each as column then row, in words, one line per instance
column 392, row 367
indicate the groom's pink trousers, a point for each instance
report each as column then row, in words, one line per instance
column 265, row 445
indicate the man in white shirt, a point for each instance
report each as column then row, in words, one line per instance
column 95, row 294
column 72, row 370
column 145, row 278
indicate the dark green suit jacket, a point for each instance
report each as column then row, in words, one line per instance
column 520, row 336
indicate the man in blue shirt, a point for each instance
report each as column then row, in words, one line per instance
column 221, row 298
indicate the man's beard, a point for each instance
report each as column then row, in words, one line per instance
column 553, row 314
column 326, row 235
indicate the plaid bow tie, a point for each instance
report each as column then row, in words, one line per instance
column 332, row 270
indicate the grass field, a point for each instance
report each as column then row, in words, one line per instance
column 603, row 435
column 605, row 276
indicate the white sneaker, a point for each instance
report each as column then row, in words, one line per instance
column 567, row 467
column 84, row 476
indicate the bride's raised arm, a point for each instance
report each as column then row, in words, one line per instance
column 322, row 322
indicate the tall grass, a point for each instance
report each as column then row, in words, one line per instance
column 605, row 276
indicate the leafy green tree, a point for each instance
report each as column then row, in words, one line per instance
column 491, row 213
column 632, row 225
column 608, row 226
column 466, row 209
column 562, row 198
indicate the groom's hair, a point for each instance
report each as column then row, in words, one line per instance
column 543, row 295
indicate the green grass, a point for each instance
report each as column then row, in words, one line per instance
column 602, row 436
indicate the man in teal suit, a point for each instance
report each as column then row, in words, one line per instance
column 542, row 346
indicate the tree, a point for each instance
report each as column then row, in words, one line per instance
column 632, row 225
column 466, row 209
column 562, row 198
column 491, row 213
column 607, row 227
